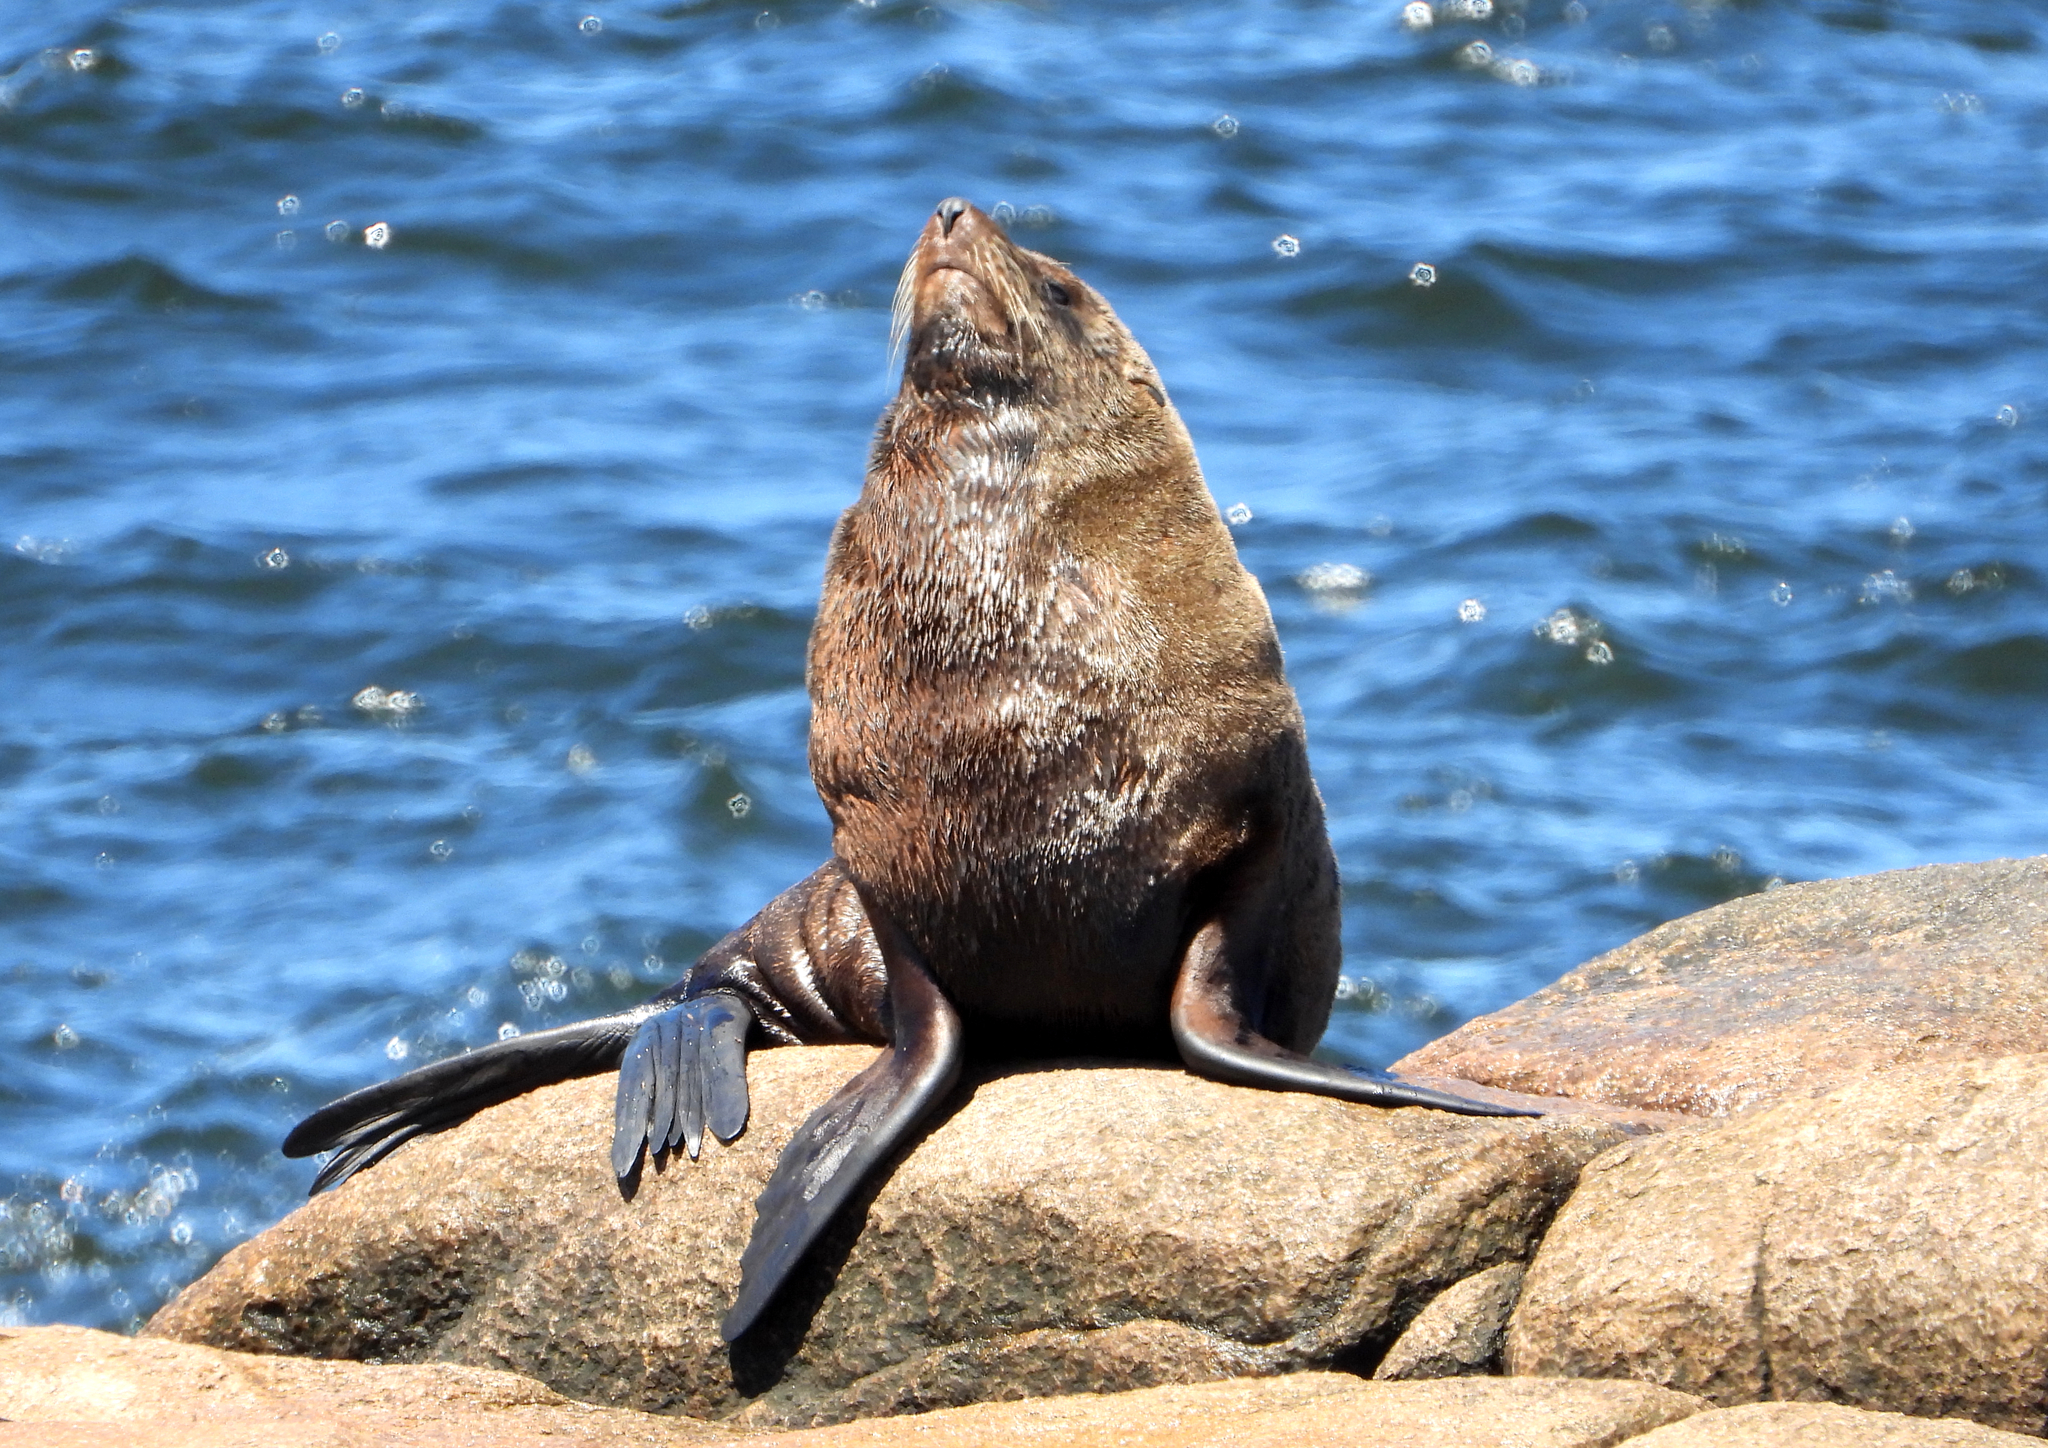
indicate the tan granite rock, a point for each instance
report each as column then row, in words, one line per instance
column 1461, row 1334
column 1783, row 994
column 1822, row 1425
column 1113, row 1227
column 1885, row 1246
column 61, row 1385
column 1303, row 1410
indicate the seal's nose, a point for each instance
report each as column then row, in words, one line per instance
column 949, row 211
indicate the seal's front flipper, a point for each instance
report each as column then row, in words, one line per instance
column 365, row 1126
column 847, row 1137
column 1216, row 1040
column 685, row 1069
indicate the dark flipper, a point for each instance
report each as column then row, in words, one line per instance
column 365, row 1126
column 847, row 1137
column 685, row 1069
column 1216, row 1040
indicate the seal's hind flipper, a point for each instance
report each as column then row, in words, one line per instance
column 365, row 1126
column 847, row 1137
column 1216, row 1040
column 685, row 1069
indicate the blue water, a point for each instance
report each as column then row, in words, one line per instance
column 1728, row 407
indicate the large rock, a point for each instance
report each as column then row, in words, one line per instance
column 1462, row 1333
column 71, row 1385
column 1823, row 1425
column 1064, row 1230
column 73, row 1388
column 1302, row 1410
column 1885, row 1246
column 1782, row 994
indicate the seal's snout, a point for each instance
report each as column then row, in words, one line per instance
column 964, row 302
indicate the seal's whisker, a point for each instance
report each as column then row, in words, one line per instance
column 900, row 310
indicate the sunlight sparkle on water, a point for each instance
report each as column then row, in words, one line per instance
column 397, row 702
column 1333, row 578
column 1568, row 627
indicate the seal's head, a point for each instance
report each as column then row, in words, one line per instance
column 988, row 327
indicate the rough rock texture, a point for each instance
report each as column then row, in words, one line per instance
column 63, row 1385
column 1783, row 994
column 1463, row 1331
column 1114, row 1227
column 1303, row 1410
column 1885, row 1246
column 1822, row 1425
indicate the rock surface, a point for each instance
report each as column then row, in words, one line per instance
column 1114, row 1227
column 73, row 1385
column 1885, row 1246
column 1303, row 1410
column 74, row 1388
column 1822, row 1425
column 1784, row 994
column 1461, row 1334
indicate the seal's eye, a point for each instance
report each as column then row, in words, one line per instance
column 1056, row 294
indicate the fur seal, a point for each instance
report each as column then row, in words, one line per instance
column 1067, row 778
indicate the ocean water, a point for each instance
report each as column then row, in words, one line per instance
column 420, row 427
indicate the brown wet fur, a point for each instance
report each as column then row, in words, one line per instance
column 1049, row 717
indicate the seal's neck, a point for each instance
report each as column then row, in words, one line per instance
column 953, row 523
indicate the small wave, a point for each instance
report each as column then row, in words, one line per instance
column 1573, row 678
column 2015, row 667
column 1389, row 312
column 145, row 282
column 518, row 477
